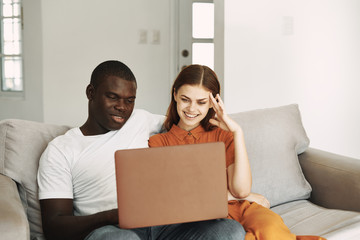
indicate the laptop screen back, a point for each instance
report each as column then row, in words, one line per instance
column 173, row 184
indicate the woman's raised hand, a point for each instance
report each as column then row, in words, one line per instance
column 221, row 118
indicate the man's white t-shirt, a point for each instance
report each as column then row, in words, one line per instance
column 82, row 168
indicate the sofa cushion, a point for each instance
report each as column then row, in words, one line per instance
column 274, row 137
column 13, row 223
column 19, row 160
column 305, row 218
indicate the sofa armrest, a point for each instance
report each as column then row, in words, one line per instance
column 13, row 220
column 335, row 179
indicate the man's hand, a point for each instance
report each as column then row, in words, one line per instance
column 59, row 221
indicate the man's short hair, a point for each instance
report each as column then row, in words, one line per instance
column 111, row 68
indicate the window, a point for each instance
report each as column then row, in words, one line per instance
column 11, row 47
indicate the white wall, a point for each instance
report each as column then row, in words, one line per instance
column 314, row 62
column 317, row 66
column 65, row 40
column 78, row 35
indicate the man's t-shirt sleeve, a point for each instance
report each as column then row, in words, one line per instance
column 156, row 123
column 54, row 176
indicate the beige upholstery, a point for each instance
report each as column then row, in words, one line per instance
column 274, row 138
column 335, row 179
column 306, row 218
column 13, row 221
column 21, row 145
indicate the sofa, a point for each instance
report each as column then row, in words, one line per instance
column 315, row 192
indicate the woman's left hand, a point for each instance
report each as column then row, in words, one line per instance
column 222, row 120
column 253, row 197
column 259, row 199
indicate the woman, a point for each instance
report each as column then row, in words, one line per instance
column 196, row 115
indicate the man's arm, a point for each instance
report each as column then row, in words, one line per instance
column 59, row 221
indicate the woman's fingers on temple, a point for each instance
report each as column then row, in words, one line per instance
column 215, row 104
column 213, row 100
column 219, row 101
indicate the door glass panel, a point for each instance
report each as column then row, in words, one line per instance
column 203, row 53
column 203, row 20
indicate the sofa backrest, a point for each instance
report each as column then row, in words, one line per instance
column 21, row 145
column 274, row 137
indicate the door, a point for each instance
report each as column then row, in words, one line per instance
column 195, row 33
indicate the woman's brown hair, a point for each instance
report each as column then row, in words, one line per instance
column 193, row 75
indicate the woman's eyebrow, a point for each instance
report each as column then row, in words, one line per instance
column 201, row 99
column 185, row 96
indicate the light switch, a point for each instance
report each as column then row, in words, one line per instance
column 155, row 37
column 288, row 26
column 143, row 36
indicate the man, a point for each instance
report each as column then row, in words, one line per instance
column 77, row 188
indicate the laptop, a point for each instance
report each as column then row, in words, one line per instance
column 173, row 184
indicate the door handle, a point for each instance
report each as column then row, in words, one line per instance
column 185, row 53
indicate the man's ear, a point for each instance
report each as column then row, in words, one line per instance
column 90, row 92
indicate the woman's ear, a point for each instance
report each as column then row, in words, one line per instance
column 175, row 95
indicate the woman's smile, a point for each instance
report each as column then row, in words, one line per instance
column 189, row 115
